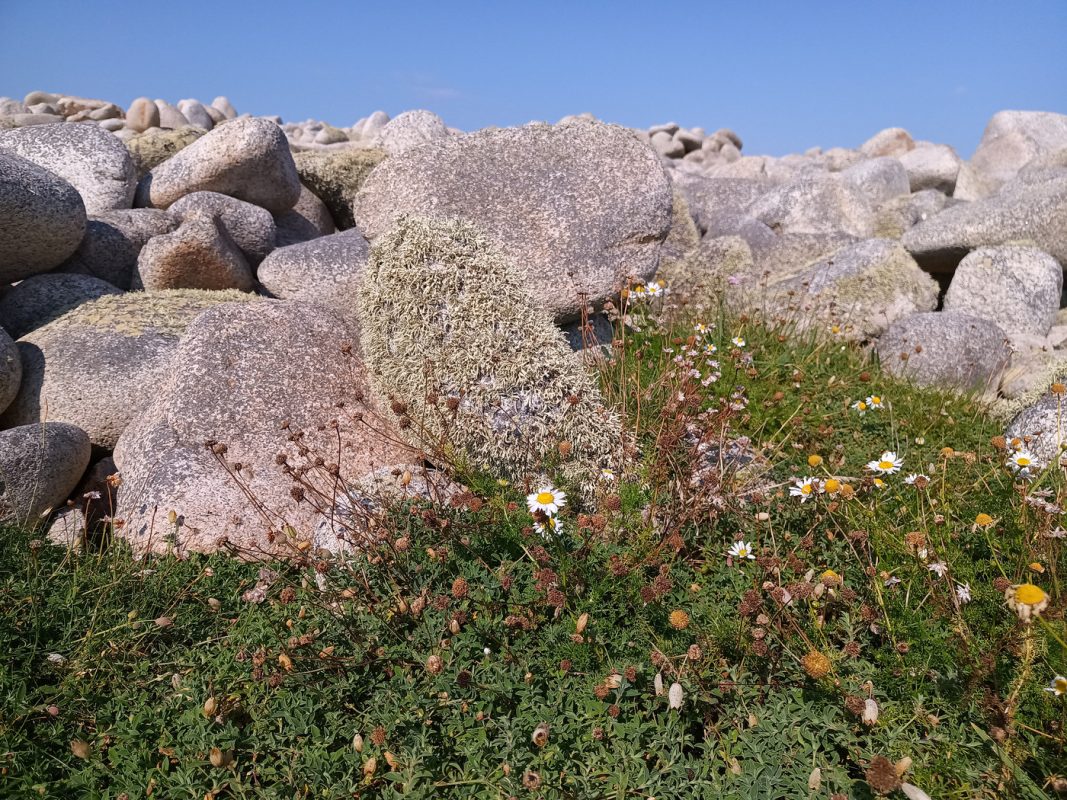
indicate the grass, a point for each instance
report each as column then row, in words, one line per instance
column 468, row 657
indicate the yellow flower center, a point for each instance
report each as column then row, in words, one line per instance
column 876, row 399
column 1029, row 595
column 861, row 406
column 833, row 486
column 814, row 460
column 885, row 465
column 805, row 489
column 879, row 482
column 983, row 520
column 544, row 498
column 1022, row 461
column 742, row 552
column 1060, row 685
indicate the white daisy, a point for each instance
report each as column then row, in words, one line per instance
column 875, row 401
column 879, row 483
column 963, row 593
column 1058, row 686
column 741, row 550
column 939, row 568
column 1021, row 461
column 700, row 328
column 710, row 349
column 552, row 527
column 804, row 488
column 654, row 289
column 607, row 475
column 546, row 499
column 738, row 341
column 860, row 407
column 887, row 464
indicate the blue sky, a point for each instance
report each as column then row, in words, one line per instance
column 784, row 75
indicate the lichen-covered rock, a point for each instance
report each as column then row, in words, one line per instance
column 411, row 129
column 245, row 158
column 336, row 176
column 92, row 160
column 904, row 213
column 862, row 289
column 946, row 350
column 878, row 179
column 38, row 300
column 307, row 220
column 931, row 166
column 42, row 218
column 1011, row 140
column 154, row 146
column 819, row 205
column 112, row 242
column 198, row 255
column 1015, row 286
column 100, row 364
column 719, row 268
column 581, row 209
column 10, row 370
column 712, row 199
column 451, row 332
column 39, row 465
column 1043, row 423
column 250, row 227
column 259, row 381
column 1019, row 211
column 888, row 142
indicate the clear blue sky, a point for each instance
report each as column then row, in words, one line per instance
column 785, row 75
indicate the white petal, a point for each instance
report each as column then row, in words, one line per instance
column 675, row 695
column 913, row 792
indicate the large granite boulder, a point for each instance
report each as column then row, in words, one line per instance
column 1011, row 140
column 250, row 227
column 10, row 370
column 112, row 242
column 154, row 146
column 39, row 466
column 200, row 254
column 411, row 129
column 38, row 300
column 931, row 166
column 307, row 220
column 336, row 177
column 817, row 205
column 1043, row 425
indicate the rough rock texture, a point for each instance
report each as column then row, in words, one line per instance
column 582, row 209
column 98, row 365
column 1045, row 422
column 39, row 465
column 1015, row 286
column 249, row 378
column 878, row 179
column 327, row 271
column 931, row 166
column 113, row 241
column 42, row 218
column 411, row 129
column 89, row 158
column 1010, row 141
column 719, row 268
column 863, row 288
column 815, row 205
column 89, row 508
column 903, row 213
column 307, row 220
column 335, row 177
column 38, row 300
column 712, row 199
column 246, row 158
column 199, row 255
column 250, row 227
column 947, row 350
column 888, row 142
column 142, row 115
column 1019, row 211
column 482, row 346
column 153, row 147
column 10, row 369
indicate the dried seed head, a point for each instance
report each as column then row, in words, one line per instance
column 882, row 776
column 816, row 664
column 377, row 736
column 357, row 743
column 434, row 665
column 80, row 748
column 460, row 588
column 531, row 780
column 540, row 735
column 679, row 620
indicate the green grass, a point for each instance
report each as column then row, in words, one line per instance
column 163, row 661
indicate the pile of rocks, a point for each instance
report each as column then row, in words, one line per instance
column 184, row 292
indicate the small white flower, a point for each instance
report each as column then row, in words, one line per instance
column 675, row 695
column 57, row 659
column 741, row 550
column 860, row 407
column 486, row 651
column 700, row 328
column 607, row 475
column 893, row 580
column 738, row 341
column 887, row 464
column 1058, row 686
column 963, row 593
column 1021, row 461
column 551, row 527
column 654, row 289
column 710, row 349
column 923, row 553
column 804, row 488
column 546, row 499
column 910, row 480
column 939, row 568
column 875, row 401
column 879, row 483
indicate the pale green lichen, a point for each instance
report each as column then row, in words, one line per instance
column 335, row 177
column 153, row 147
column 450, row 331
column 167, row 312
column 1054, row 371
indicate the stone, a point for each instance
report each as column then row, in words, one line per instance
column 710, row 199
column 1015, row 286
column 10, row 106
column 1019, row 211
column 40, row 299
column 223, row 104
column 1043, row 424
column 945, row 350
column 902, row 213
column 200, row 254
column 863, row 289
column 373, row 124
column 411, row 129
column 330, row 135
column 879, row 179
column 39, row 466
column 719, row 269
column 170, row 117
column 665, row 144
column 232, row 383
column 112, row 125
column 197, row 115
column 113, row 241
column 154, row 146
column 37, row 96
column 327, row 271
column 931, row 166
column 815, row 205
column 888, row 142
column 483, row 349
column 100, row 364
column 250, row 227
column 1011, row 139
column 305, row 221
column 71, row 106
column 10, row 369
column 27, row 120
column 582, row 208
column 142, row 115
column 42, row 218
column 245, row 158
column 790, row 254
column 92, row 160
column 88, row 513
column 335, row 177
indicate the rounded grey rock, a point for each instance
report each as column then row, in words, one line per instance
column 879, row 179
column 113, row 241
column 198, row 255
column 170, row 117
column 10, row 369
column 308, row 219
column 251, row 227
column 197, row 115
column 411, row 129
column 40, row 299
column 39, row 467
column 142, row 115
column 1044, row 425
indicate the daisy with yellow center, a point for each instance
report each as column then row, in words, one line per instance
column 886, row 464
column 551, row 527
column 983, row 520
column 547, row 500
column 814, row 460
column 875, row 401
column 879, row 483
column 832, row 486
column 860, row 407
column 654, row 289
column 1058, row 686
column 804, row 488
column 700, row 328
column 738, row 341
column 1026, row 600
column 1021, row 461
column 741, row 550
column 836, row 330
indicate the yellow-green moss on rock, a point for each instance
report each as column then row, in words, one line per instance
column 153, row 147
column 335, row 176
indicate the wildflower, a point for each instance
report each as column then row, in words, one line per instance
column 887, row 464
column 700, row 328
column 814, row 460
column 816, row 664
column 917, row 479
column 738, row 341
column 805, row 488
column 549, row 528
column 939, row 568
column 607, row 475
column 882, row 776
column 832, row 486
column 654, row 289
column 1026, row 600
column 836, row 330
column 1021, row 461
column 879, row 483
column 546, row 499
column 679, row 619
column 675, row 695
column 875, row 401
column 1058, row 686
column 860, row 406
column 741, row 550
column 540, row 735
column 983, row 520
column 963, row 593
column 710, row 349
